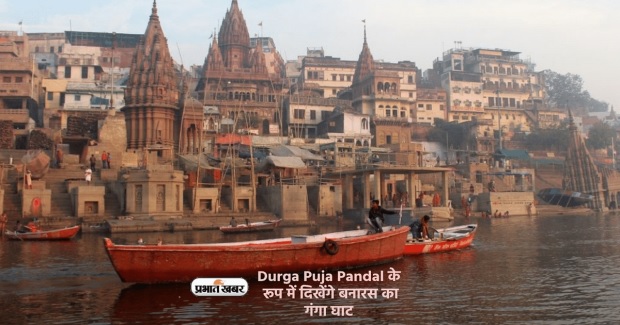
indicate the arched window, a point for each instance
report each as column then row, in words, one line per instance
column 364, row 124
column 394, row 87
column 386, row 86
column 380, row 87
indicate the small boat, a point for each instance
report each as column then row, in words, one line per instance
column 446, row 239
column 55, row 234
column 252, row 226
column 296, row 254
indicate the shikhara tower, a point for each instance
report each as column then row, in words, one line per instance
column 152, row 94
column 580, row 172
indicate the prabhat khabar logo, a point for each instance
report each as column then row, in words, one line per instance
column 212, row 287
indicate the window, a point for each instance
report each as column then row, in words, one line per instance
column 420, row 106
column 410, row 94
column 299, row 113
column 333, row 77
column 50, row 96
column 441, row 107
column 84, row 72
column 387, row 112
column 68, row 71
column 51, row 49
column 341, row 77
column 349, row 77
column 324, row 115
column 77, row 98
column 364, row 124
column 19, row 80
column 410, row 79
column 334, row 91
column 6, row 79
column 313, row 115
column 332, row 123
column 60, row 49
column 429, row 107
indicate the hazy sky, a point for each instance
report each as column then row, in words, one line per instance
column 580, row 37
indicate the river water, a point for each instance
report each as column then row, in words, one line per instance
column 521, row 270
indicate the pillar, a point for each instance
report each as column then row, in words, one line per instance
column 366, row 195
column 411, row 188
column 446, row 188
column 348, row 191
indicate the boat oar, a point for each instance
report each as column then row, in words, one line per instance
column 400, row 215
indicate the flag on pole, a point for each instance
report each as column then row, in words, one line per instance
column 260, row 24
column 20, row 22
column 364, row 21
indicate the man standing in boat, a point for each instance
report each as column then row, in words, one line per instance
column 233, row 222
column 375, row 216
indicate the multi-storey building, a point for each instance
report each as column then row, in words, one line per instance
column 431, row 105
column 85, row 70
column 19, row 83
column 490, row 84
column 301, row 114
column 346, row 126
column 325, row 75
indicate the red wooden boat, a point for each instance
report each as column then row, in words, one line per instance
column 185, row 262
column 55, row 234
column 252, row 226
column 446, row 239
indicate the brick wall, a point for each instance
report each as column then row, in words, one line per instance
column 84, row 123
column 6, row 135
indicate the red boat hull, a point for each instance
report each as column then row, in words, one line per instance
column 444, row 245
column 56, row 234
column 184, row 263
column 253, row 227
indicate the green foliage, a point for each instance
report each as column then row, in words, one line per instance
column 566, row 91
column 555, row 138
column 457, row 134
column 600, row 136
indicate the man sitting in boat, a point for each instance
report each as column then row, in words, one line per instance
column 419, row 228
column 375, row 216
column 233, row 222
column 20, row 228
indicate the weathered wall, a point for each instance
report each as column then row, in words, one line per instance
column 516, row 203
column 325, row 200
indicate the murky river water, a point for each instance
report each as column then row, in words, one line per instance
column 521, row 270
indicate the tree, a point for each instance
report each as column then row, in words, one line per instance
column 456, row 132
column 552, row 139
column 600, row 135
column 566, row 91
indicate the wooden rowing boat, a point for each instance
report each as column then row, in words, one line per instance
column 445, row 239
column 54, row 234
column 252, row 226
column 186, row 262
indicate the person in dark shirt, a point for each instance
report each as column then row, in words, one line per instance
column 375, row 216
column 419, row 228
